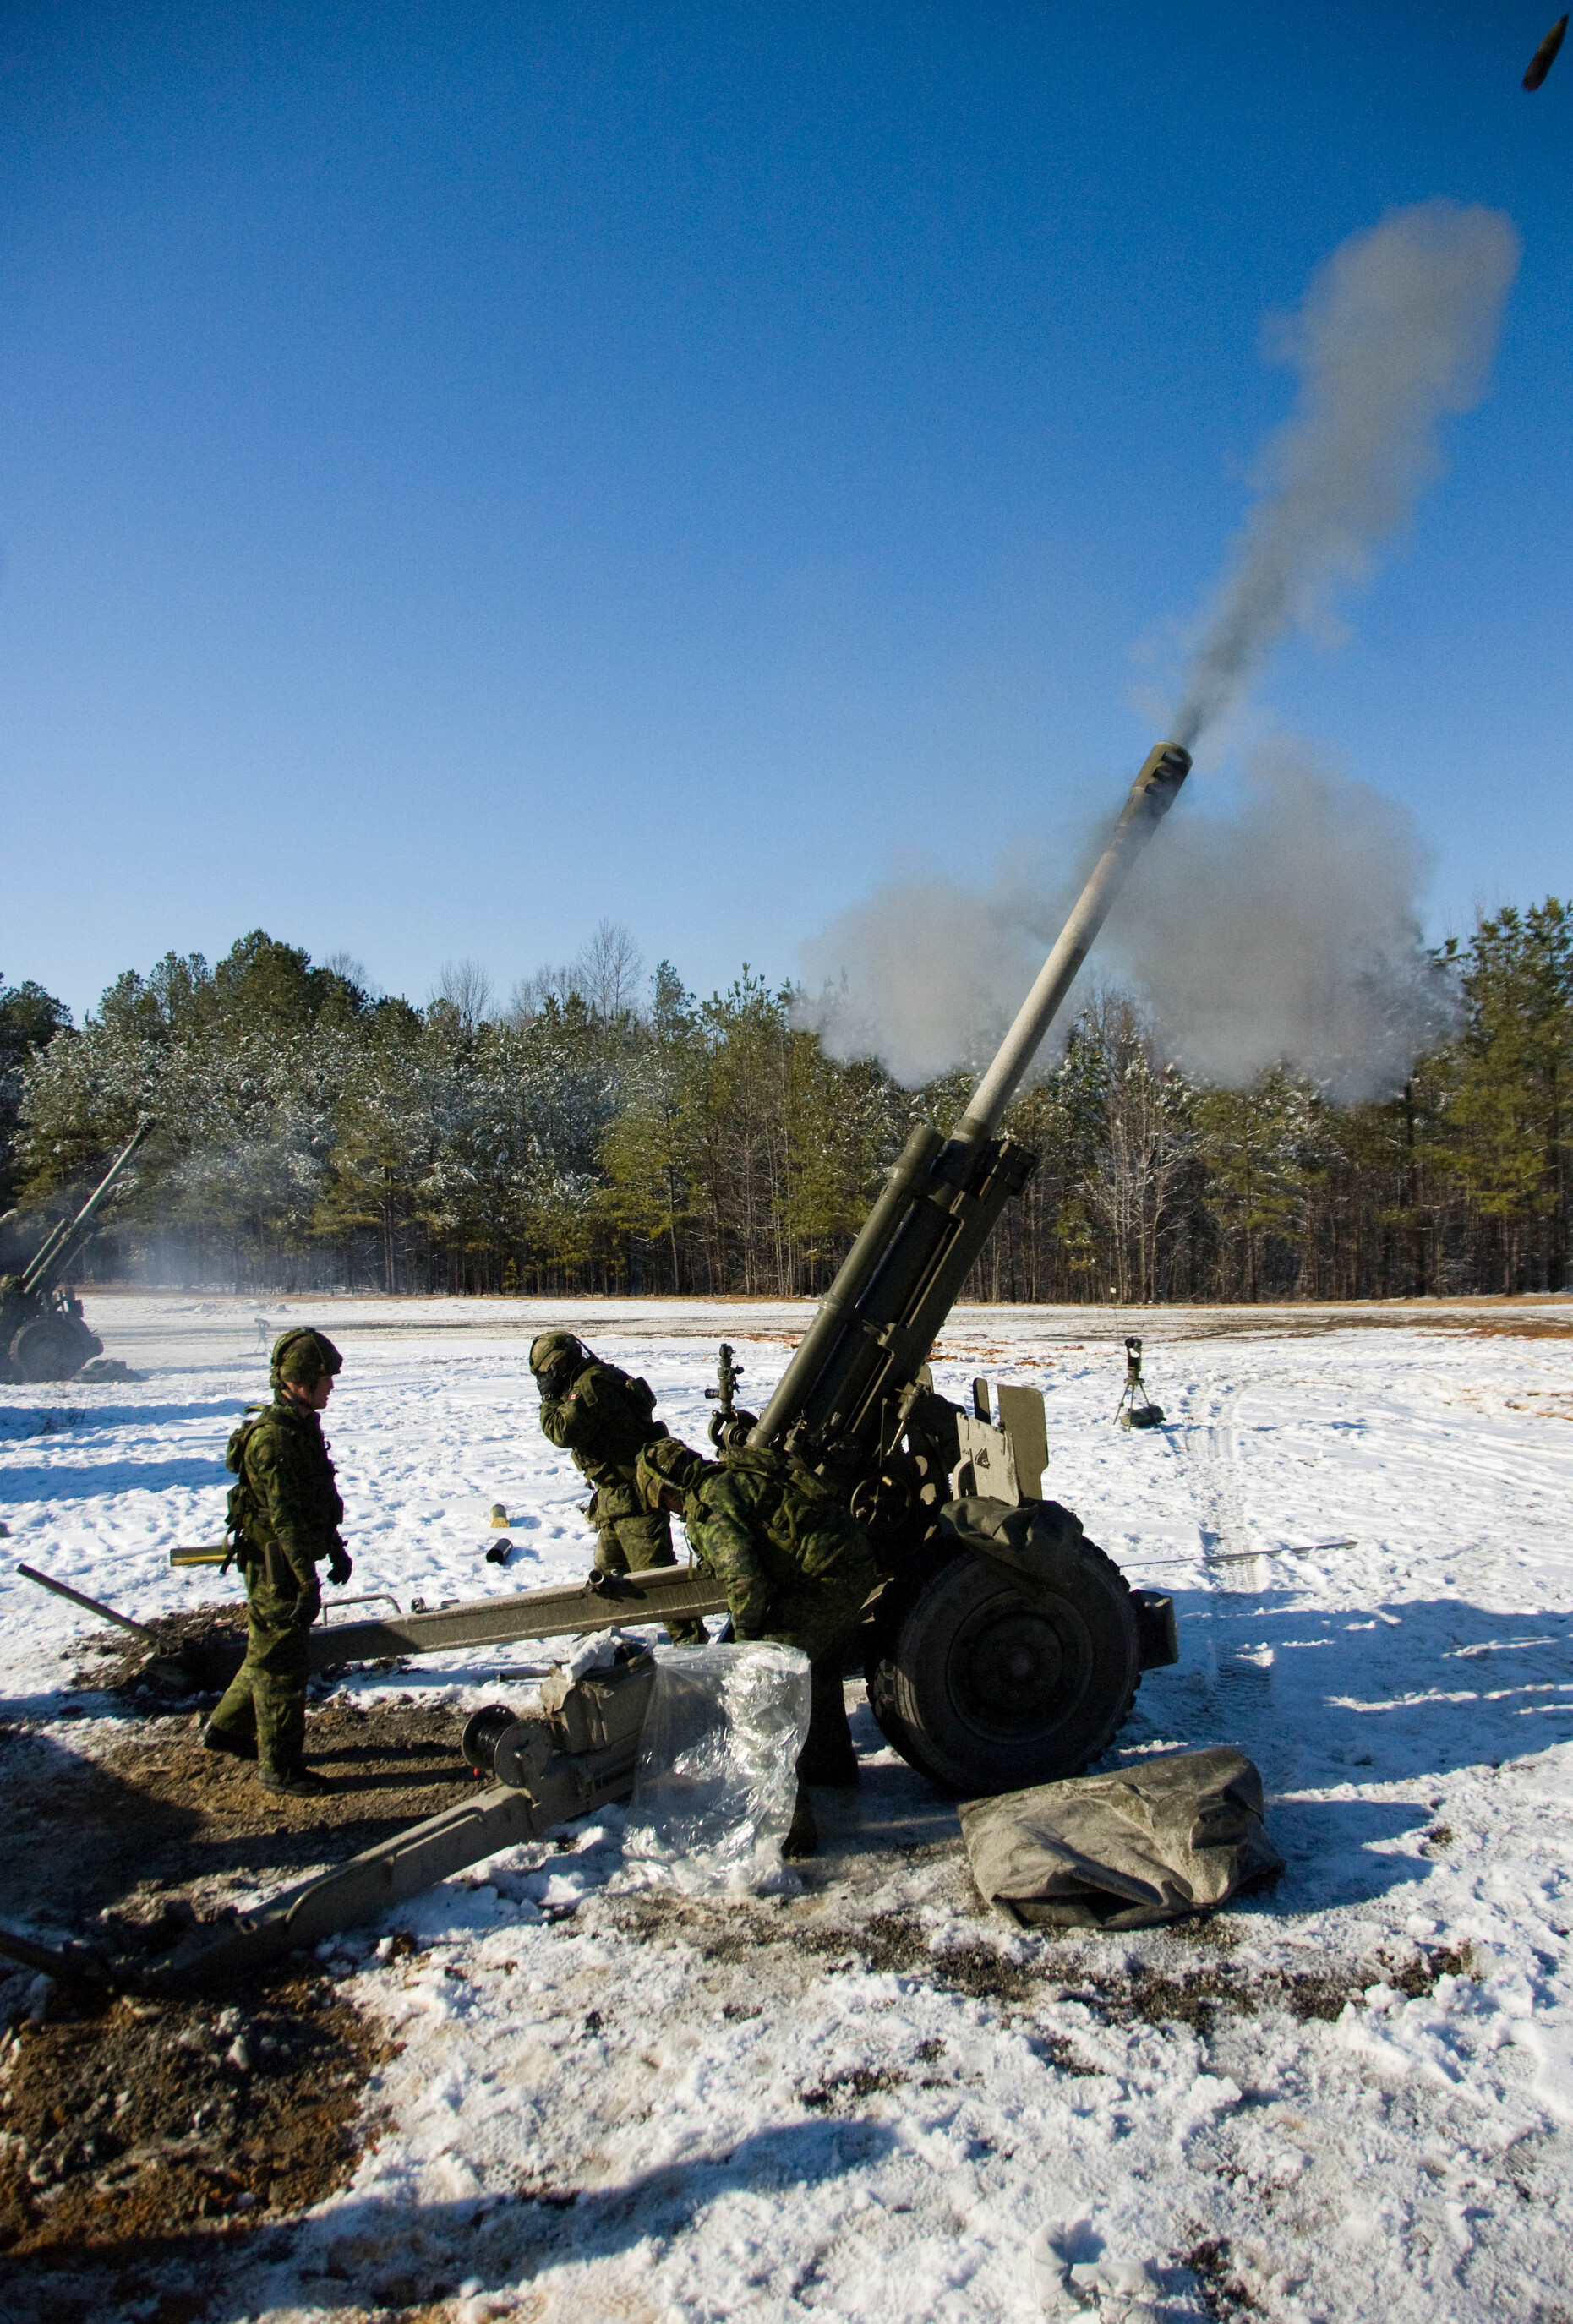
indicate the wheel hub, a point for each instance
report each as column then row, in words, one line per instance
column 1010, row 1669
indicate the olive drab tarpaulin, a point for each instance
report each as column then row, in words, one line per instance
column 1156, row 1840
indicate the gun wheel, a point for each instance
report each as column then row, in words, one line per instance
column 984, row 1688
column 46, row 1350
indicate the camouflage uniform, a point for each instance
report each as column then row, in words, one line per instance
column 795, row 1564
column 285, row 1513
column 604, row 1419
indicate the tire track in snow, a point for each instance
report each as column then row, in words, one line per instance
column 1240, row 1677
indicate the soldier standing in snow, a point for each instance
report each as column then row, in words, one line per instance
column 797, row 1568
column 604, row 1417
column 285, row 1514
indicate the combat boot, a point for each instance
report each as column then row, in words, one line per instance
column 803, row 1836
column 235, row 1747
column 827, row 1755
column 296, row 1783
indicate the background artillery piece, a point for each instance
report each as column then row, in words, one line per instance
column 44, row 1334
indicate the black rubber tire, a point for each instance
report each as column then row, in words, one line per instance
column 45, row 1350
column 985, row 1689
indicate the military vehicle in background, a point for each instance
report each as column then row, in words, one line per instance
column 44, row 1334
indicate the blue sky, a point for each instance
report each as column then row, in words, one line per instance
column 465, row 472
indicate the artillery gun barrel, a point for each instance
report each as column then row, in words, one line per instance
column 1152, row 794
column 55, row 1253
column 838, row 1396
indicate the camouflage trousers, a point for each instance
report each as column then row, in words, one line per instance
column 632, row 1545
column 818, row 1617
column 267, row 1695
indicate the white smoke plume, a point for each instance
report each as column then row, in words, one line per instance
column 1396, row 329
column 1282, row 931
column 1286, row 931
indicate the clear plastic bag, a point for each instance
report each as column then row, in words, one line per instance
column 717, row 1780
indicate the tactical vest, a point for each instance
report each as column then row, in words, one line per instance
column 802, row 1520
column 633, row 1424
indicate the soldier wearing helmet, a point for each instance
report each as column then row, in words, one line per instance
column 604, row 1419
column 284, row 1515
column 796, row 1567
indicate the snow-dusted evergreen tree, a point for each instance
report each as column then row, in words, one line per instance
column 591, row 1137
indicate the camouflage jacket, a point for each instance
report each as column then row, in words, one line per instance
column 287, row 1499
column 603, row 1419
column 770, row 1534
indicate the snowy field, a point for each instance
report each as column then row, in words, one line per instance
column 821, row 2104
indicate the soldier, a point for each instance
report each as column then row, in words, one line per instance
column 604, row 1419
column 796, row 1567
column 283, row 1515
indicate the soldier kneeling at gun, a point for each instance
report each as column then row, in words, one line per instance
column 796, row 1568
column 284, row 1515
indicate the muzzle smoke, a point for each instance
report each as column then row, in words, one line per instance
column 1286, row 930
column 1396, row 329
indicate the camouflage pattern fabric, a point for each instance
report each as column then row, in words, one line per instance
column 293, row 1504
column 633, row 1545
column 795, row 1565
column 604, row 1419
column 266, row 1697
column 301, row 1356
column 291, row 1523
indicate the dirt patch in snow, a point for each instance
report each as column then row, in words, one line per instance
column 132, row 2132
column 138, row 2138
column 1155, row 1992
column 147, row 1677
column 1197, row 1997
column 132, row 2118
column 891, row 1943
column 131, row 1822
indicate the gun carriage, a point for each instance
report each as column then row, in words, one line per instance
column 44, row 1334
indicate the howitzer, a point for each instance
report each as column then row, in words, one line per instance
column 571, row 1755
column 1005, row 1649
column 44, row 1334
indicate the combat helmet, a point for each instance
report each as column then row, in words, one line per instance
column 301, row 1357
column 557, row 1352
column 665, row 1462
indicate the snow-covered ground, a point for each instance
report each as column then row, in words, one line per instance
column 832, row 2104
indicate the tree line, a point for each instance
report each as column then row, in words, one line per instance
column 602, row 1132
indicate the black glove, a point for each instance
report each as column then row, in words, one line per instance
column 307, row 1606
column 340, row 1565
